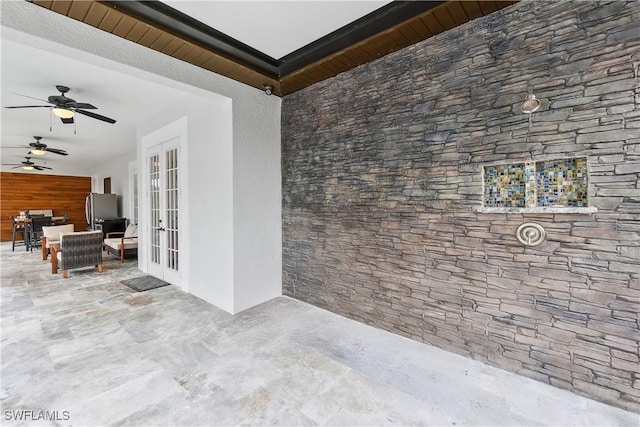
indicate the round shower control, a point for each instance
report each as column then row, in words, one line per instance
column 531, row 234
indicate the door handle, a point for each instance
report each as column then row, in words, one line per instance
column 160, row 229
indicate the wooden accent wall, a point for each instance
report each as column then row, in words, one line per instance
column 24, row 191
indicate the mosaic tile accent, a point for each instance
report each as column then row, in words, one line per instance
column 505, row 185
column 562, row 182
column 531, row 184
column 548, row 183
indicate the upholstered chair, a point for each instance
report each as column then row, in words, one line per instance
column 77, row 250
column 125, row 244
column 51, row 236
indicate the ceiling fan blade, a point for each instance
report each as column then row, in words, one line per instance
column 56, row 151
column 39, row 168
column 11, row 164
column 83, row 105
column 67, row 121
column 30, row 106
column 96, row 116
column 27, row 96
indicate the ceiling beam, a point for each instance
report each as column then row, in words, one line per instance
column 160, row 15
column 369, row 25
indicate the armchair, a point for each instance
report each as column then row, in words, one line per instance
column 51, row 236
column 76, row 250
column 127, row 244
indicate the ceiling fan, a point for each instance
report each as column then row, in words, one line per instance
column 65, row 108
column 26, row 165
column 38, row 148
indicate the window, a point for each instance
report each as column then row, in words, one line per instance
column 133, row 193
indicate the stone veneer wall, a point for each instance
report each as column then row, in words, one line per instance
column 382, row 171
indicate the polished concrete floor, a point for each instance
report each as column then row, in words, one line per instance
column 94, row 352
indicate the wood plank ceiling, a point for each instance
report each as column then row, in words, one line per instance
column 157, row 26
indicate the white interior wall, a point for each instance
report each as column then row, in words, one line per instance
column 211, row 204
column 208, row 272
column 256, row 188
column 257, row 216
column 118, row 171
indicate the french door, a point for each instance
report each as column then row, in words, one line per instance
column 163, row 204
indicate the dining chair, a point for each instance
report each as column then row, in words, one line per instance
column 18, row 227
column 51, row 236
column 34, row 230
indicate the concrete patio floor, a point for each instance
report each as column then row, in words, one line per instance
column 100, row 353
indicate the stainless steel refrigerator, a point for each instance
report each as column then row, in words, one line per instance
column 99, row 207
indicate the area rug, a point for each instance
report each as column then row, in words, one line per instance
column 144, row 283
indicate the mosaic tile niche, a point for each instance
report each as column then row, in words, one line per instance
column 549, row 183
column 562, row 182
column 505, row 185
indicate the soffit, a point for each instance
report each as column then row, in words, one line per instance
column 157, row 26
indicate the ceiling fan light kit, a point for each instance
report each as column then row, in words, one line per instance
column 63, row 113
column 37, row 152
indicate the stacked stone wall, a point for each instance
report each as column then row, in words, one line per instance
column 382, row 171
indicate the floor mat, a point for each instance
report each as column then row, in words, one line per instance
column 144, row 283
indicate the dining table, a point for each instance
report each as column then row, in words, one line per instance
column 26, row 220
column 26, row 223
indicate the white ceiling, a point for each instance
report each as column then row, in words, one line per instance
column 35, row 73
column 275, row 28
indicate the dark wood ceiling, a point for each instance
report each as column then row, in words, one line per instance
column 157, row 26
